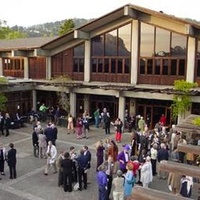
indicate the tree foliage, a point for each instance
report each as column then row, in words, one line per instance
column 66, row 27
column 182, row 99
column 8, row 33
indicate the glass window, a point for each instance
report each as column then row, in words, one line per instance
column 81, row 65
column 94, row 65
column 75, row 66
column 127, row 66
column 97, row 45
column 111, row 43
column 106, row 65
column 198, row 48
column 165, row 67
column 119, row 66
column 179, row 45
column 150, row 66
column 142, row 66
column 173, row 67
column 79, row 50
column 147, row 40
column 113, row 65
column 162, row 47
column 181, row 70
column 124, row 40
column 100, row 65
column 157, row 66
column 198, row 68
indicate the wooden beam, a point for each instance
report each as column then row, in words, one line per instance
column 150, row 194
column 183, row 169
column 187, row 148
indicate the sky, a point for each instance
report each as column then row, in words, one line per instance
column 27, row 13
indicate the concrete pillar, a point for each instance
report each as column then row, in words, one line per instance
column 72, row 100
column 87, row 68
column 48, row 68
column 87, row 103
column 34, row 93
column 121, row 109
column 26, row 68
column 190, row 60
column 134, row 52
column 1, row 67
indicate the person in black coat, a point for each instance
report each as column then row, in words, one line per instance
column 1, row 123
column 7, row 123
column 82, row 163
column 12, row 161
column 49, row 133
column 35, row 142
column 67, row 165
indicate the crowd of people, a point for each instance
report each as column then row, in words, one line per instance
column 118, row 166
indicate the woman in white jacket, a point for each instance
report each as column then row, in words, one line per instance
column 146, row 172
column 51, row 158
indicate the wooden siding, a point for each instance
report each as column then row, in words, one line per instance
column 117, row 78
column 37, row 68
column 14, row 73
column 62, row 65
column 158, row 80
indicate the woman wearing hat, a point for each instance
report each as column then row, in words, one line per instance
column 123, row 158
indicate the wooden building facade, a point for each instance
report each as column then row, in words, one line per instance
column 127, row 59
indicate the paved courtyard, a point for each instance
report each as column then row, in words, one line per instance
column 31, row 184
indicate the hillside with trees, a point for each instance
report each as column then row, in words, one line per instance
column 47, row 29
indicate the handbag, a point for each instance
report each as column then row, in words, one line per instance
column 76, row 186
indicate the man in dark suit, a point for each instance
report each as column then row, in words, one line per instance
column 1, row 123
column 66, row 165
column 82, row 163
column 12, row 160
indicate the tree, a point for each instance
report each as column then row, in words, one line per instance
column 66, row 27
column 8, row 33
column 182, row 99
column 63, row 97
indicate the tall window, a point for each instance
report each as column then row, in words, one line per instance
column 78, row 58
column 111, row 51
column 147, row 40
column 198, row 59
column 162, row 52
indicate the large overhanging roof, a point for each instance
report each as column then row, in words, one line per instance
column 127, row 12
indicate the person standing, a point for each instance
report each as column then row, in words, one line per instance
column 35, row 142
column 82, row 163
column 129, row 181
column 59, row 168
column 1, row 123
column 118, row 124
column 7, row 123
column 154, row 154
column 51, row 158
column 2, row 158
column 66, row 165
column 42, row 143
column 70, row 124
column 141, row 124
column 118, row 186
column 99, row 153
column 102, row 182
column 96, row 117
column 146, row 172
column 123, row 158
column 12, row 161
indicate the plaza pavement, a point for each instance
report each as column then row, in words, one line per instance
column 31, row 184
